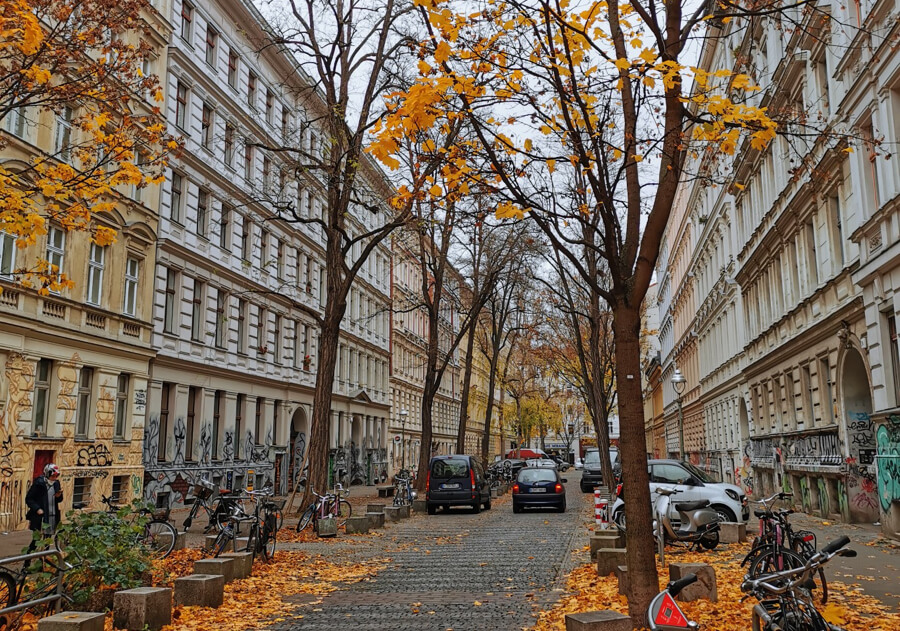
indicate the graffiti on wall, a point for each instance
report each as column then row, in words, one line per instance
column 228, row 447
column 824, row 500
column 357, row 474
column 887, row 439
column 206, row 444
column 743, row 474
column 6, row 454
column 96, row 455
column 819, row 449
column 804, row 494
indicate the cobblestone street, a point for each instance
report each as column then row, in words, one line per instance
column 457, row 571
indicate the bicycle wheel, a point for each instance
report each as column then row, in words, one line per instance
column 279, row 516
column 7, row 590
column 159, row 538
column 805, row 550
column 225, row 536
column 784, row 559
column 344, row 510
column 253, row 542
column 306, row 518
column 270, row 530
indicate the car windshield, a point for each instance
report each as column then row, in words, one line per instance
column 592, row 457
column 698, row 472
column 537, row 475
column 449, row 468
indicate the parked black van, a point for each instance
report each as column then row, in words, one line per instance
column 457, row 480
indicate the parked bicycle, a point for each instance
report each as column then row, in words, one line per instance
column 779, row 547
column 785, row 599
column 664, row 614
column 324, row 506
column 403, row 492
column 36, row 584
column 262, row 526
column 157, row 534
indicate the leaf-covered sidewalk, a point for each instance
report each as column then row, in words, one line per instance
column 585, row 591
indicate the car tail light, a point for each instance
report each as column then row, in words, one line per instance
column 427, row 482
column 619, row 490
column 472, row 478
column 515, row 488
column 559, row 488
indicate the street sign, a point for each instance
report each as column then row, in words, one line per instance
column 397, row 439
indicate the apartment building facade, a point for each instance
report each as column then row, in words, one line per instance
column 794, row 270
column 236, row 288
column 75, row 363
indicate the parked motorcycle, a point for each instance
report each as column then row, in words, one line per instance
column 699, row 525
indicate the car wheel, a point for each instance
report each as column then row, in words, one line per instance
column 516, row 508
column 562, row 508
column 476, row 507
column 432, row 509
column 584, row 489
column 619, row 518
column 724, row 513
column 487, row 504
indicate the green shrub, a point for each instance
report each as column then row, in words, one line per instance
column 105, row 550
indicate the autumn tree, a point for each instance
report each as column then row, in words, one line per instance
column 83, row 63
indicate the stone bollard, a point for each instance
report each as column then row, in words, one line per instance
column 605, row 620
column 142, row 608
column 375, row 508
column 357, row 525
column 705, row 587
column 200, row 590
column 180, row 541
column 503, row 488
column 326, row 527
column 209, row 541
column 598, row 542
column 733, row 532
column 221, row 565
column 622, row 576
column 243, row 563
column 404, row 511
column 73, row 621
column 392, row 513
column 608, row 559
column 376, row 520
column 495, row 493
column 420, row 506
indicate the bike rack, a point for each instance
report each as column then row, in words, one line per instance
column 55, row 598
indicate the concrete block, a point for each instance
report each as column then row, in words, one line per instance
column 392, row 513
column 608, row 559
column 142, row 608
column 495, row 493
column 240, row 544
column 598, row 542
column 405, row 512
column 705, row 587
column 221, row 565
column 376, row 520
column 733, row 532
column 180, row 541
column 200, row 590
column 209, row 541
column 326, row 527
column 503, row 488
column 73, row 621
column 243, row 563
column 420, row 506
column 622, row 577
column 357, row 525
column 605, row 620
column 375, row 508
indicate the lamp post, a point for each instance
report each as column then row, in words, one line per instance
column 678, row 384
column 403, row 415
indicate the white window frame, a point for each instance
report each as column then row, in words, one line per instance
column 56, row 249
column 63, row 133
column 132, row 284
column 7, row 255
column 15, row 122
column 96, row 266
column 176, row 198
column 123, row 386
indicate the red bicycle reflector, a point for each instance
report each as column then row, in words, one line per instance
column 809, row 537
column 670, row 615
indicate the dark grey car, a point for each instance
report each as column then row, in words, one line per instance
column 592, row 473
column 457, row 480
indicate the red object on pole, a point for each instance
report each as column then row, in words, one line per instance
column 601, row 510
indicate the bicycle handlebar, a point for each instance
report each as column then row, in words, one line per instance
column 802, row 574
column 771, row 500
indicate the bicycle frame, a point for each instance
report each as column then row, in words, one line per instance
column 54, row 598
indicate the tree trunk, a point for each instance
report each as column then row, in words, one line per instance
column 643, row 580
column 489, row 410
column 464, row 402
column 601, row 419
column 320, row 427
column 425, row 446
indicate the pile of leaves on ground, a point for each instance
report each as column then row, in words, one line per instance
column 266, row 596
column 847, row 606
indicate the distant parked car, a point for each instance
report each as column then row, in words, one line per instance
column 539, row 487
column 545, row 463
column 561, row 465
column 593, row 474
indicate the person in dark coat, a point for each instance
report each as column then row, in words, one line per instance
column 43, row 500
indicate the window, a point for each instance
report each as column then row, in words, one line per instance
column 242, row 326
column 260, row 419
column 212, row 40
column 181, row 104
column 165, row 402
column 245, row 239
column 85, row 389
column 263, row 248
column 218, row 403
column 669, row 474
column 251, row 89
column 248, row 161
column 221, row 319
column 132, row 271
column 827, row 395
column 871, row 176
column 176, row 199
column 202, row 212
column 95, row 274
column 894, row 342
column 285, row 123
column 811, row 257
column 56, row 249
column 267, row 174
column 137, row 190
column 277, row 350
column 232, row 68
column 121, row 406
column 190, row 423
column 14, row 122
column 42, row 374
column 837, row 230
column 197, row 312
column 63, row 133
column 7, row 254
column 206, row 127
column 262, row 331
column 270, row 106
column 81, row 491
column 224, row 226
column 239, row 425
column 119, row 489
column 187, row 20
column 170, row 301
column 279, row 260
column 229, row 145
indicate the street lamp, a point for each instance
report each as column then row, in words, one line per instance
column 403, row 415
column 678, row 384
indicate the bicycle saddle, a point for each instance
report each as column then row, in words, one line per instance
column 686, row 506
column 762, row 514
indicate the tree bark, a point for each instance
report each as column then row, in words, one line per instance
column 489, row 411
column 464, row 401
column 643, row 580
